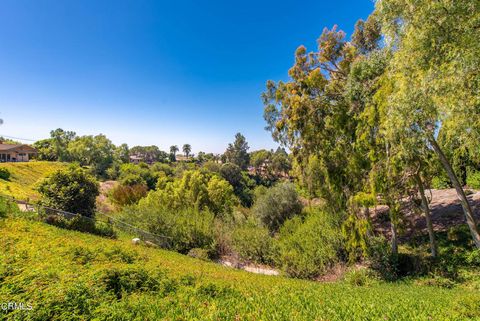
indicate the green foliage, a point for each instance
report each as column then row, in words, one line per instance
column 308, row 247
column 441, row 182
column 122, row 195
column 131, row 174
column 153, row 284
column 277, row 205
column 71, row 190
column 381, row 259
column 81, row 224
column 8, row 207
column 361, row 277
column 237, row 153
column 473, row 179
column 242, row 184
column 180, row 230
column 25, row 176
column 253, row 243
column 202, row 254
column 4, row 174
column 195, row 189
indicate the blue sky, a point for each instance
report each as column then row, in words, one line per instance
column 153, row 72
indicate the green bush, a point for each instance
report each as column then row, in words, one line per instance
column 307, row 248
column 361, row 277
column 473, row 179
column 182, row 229
column 8, row 208
column 277, row 205
column 71, row 190
column 441, row 182
column 201, row 254
column 381, row 258
column 81, row 224
column 253, row 243
column 4, row 174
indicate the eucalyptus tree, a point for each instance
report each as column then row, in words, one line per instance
column 435, row 77
column 309, row 115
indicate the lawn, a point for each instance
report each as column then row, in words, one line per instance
column 25, row 176
column 67, row 275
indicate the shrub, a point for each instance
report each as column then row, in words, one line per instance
column 4, row 174
column 198, row 253
column 71, row 190
column 81, row 224
column 122, row 195
column 8, row 207
column 307, row 248
column 361, row 277
column 202, row 191
column 381, row 258
column 277, row 205
column 473, row 179
column 253, row 243
column 441, row 182
column 182, row 229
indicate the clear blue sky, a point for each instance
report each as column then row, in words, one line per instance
column 153, row 72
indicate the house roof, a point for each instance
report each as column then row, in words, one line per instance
column 7, row 147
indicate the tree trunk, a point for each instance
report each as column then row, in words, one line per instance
column 393, row 227
column 428, row 218
column 467, row 209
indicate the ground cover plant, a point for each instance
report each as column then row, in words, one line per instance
column 69, row 275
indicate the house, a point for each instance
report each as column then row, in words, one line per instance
column 16, row 153
column 137, row 159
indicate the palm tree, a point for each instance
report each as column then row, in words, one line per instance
column 174, row 149
column 173, row 153
column 187, row 149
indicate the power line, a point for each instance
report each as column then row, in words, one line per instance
column 12, row 137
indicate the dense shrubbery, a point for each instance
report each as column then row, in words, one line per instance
column 117, row 281
column 81, row 224
column 181, row 230
column 203, row 191
column 277, row 205
column 7, row 207
column 253, row 243
column 122, row 195
column 440, row 182
column 473, row 179
column 309, row 246
column 72, row 190
column 4, row 174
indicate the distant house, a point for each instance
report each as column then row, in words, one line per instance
column 16, row 153
column 181, row 158
column 136, row 159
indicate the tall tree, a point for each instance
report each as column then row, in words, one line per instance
column 237, row 153
column 187, row 149
column 173, row 153
column 435, row 76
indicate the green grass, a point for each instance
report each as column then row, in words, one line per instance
column 68, row 275
column 25, row 176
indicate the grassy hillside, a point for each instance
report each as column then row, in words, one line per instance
column 24, row 177
column 67, row 275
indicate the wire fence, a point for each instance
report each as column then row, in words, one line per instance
column 42, row 212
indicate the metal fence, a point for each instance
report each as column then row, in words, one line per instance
column 44, row 211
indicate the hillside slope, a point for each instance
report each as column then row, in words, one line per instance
column 24, row 177
column 67, row 275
